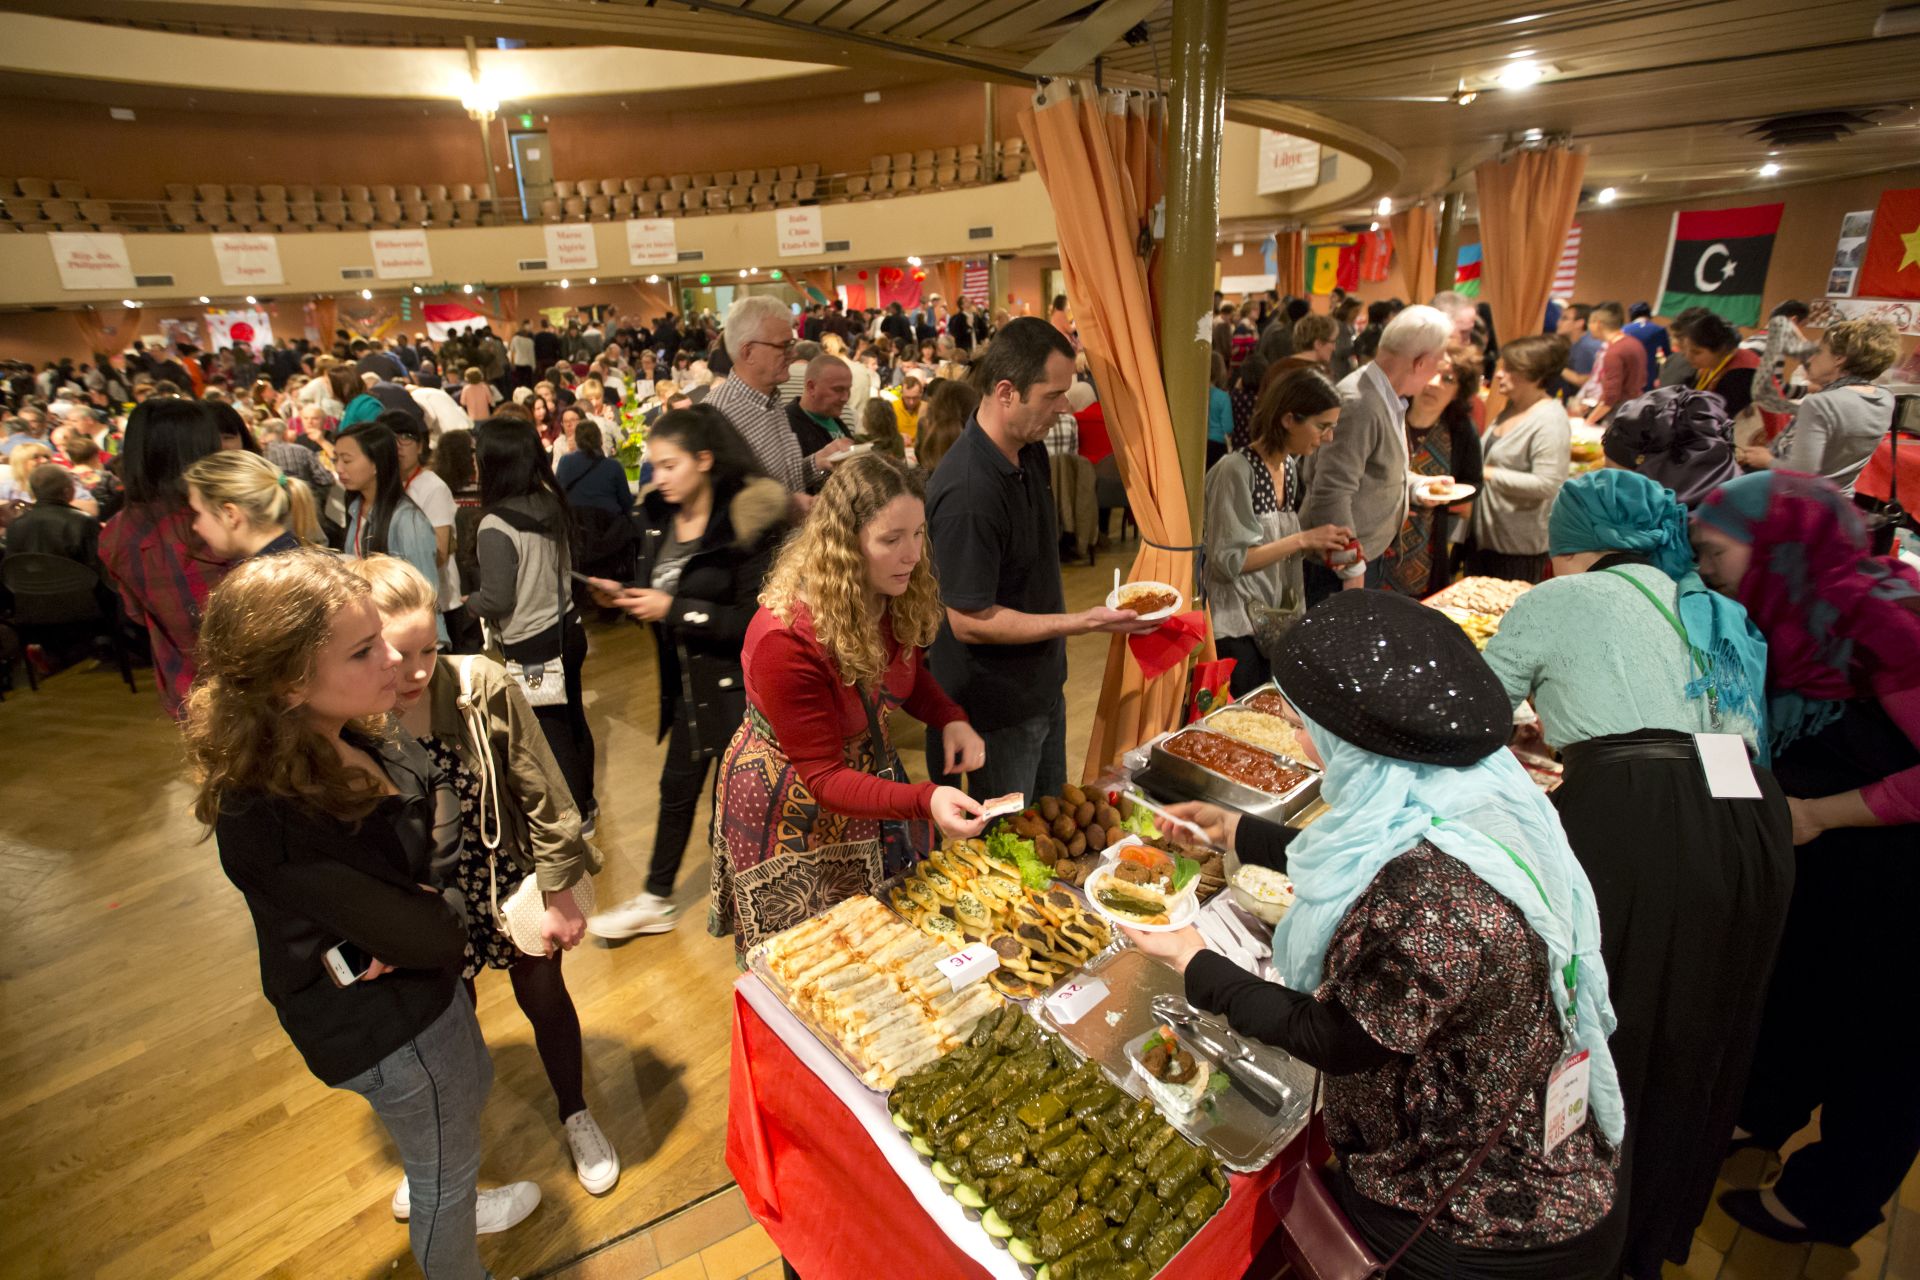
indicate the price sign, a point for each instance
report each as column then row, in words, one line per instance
column 968, row 966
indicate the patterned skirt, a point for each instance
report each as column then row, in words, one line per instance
column 779, row 858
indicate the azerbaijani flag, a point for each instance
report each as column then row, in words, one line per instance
column 1717, row 259
column 1466, row 271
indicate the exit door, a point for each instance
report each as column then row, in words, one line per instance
column 533, row 167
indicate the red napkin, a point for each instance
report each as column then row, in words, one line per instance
column 1160, row 650
column 1212, row 687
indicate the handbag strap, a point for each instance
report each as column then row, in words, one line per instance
column 882, row 756
column 474, row 718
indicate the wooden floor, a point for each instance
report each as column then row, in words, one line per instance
column 157, row 1124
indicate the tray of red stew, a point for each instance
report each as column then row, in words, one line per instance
column 1199, row 764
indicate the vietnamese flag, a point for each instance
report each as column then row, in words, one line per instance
column 1718, row 259
column 1891, row 266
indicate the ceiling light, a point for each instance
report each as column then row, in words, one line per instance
column 466, row 288
column 1532, row 135
column 252, row 301
column 1373, row 226
column 1465, row 97
column 566, row 284
column 593, row 279
column 128, row 302
column 912, row 261
column 653, row 279
column 418, row 289
column 1523, row 73
column 367, row 294
column 1768, row 169
column 1385, row 206
column 1607, row 195
column 205, row 299
column 743, row 273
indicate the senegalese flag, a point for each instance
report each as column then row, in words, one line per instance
column 1331, row 262
column 1717, row 259
column 1890, row 268
column 1466, row 271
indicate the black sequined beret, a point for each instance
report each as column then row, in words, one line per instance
column 1396, row 678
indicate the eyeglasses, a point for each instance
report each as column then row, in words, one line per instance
column 787, row 345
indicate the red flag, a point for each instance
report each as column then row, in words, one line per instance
column 1891, row 267
column 1348, row 274
column 1376, row 254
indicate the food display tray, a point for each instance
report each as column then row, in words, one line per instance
column 1172, row 777
column 758, row 966
column 884, row 892
column 1239, row 1133
column 973, row 1215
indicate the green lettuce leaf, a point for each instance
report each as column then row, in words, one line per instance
column 1017, row 851
column 1184, row 870
column 1140, row 823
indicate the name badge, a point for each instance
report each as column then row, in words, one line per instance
column 1567, row 1098
column 1729, row 773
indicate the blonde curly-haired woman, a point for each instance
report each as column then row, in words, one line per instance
column 839, row 641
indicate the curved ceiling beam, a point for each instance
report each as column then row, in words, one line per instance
column 1380, row 156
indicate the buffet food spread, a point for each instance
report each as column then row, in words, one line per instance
column 1260, row 770
column 1478, row 604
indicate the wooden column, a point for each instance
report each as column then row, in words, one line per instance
column 1447, row 242
column 1196, row 124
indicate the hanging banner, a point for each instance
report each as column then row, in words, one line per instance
column 652, row 242
column 1375, row 252
column 1332, row 261
column 798, row 233
column 1466, row 271
column 1287, row 163
column 446, row 318
column 87, row 260
column 1568, row 270
column 230, row 328
column 570, row 247
column 400, row 255
column 974, row 282
column 1848, row 252
column 245, row 261
column 1826, row 312
column 1890, row 266
column 175, row 332
column 1717, row 259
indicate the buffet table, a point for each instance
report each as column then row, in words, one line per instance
column 842, row 1194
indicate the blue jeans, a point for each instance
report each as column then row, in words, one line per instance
column 1029, row 757
column 428, row 1093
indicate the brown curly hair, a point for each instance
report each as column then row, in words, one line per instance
column 264, row 626
column 824, row 567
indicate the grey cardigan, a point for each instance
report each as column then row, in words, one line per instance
column 1834, row 433
column 1359, row 478
column 1522, row 475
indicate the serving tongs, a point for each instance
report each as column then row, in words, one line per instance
column 1233, row 1055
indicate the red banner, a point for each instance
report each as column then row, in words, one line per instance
column 1891, row 266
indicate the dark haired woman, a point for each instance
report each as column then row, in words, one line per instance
column 711, row 524
column 1524, row 462
column 1720, row 364
column 590, row 478
column 381, row 518
column 453, row 462
column 1441, row 441
column 524, row 594
column 1254, row 539
column 149, row 550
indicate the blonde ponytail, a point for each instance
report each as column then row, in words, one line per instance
column 269, row 497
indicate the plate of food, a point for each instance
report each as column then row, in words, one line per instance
column 1265, row 892
column 1177, row 1078
column 1146, row 888
column 1444, row 489
column 1151, row 600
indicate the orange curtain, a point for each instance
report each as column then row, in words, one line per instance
column 1292, row 262
column 1097, row 154
column 1417, row 238
column 1527, row 203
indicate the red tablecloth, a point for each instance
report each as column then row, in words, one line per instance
column 815, row 1181
column 1876, row 481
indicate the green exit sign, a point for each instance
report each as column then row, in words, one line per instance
column 776, row 274
column 705, row 278
column 526, row 120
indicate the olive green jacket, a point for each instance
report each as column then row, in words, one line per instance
column 539, row 825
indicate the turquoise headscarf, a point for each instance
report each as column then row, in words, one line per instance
column 1614, row 510
column 1490, row 816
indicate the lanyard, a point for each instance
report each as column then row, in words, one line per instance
column 1679, row 628
column 1570, row 974
column 1707, row 383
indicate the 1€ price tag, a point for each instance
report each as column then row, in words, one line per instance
column 969, row 965
column 1567, row 1098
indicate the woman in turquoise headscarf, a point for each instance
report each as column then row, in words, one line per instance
column 1441, row 961
column 1627, row 655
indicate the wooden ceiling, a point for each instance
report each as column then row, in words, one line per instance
column 1657, row 90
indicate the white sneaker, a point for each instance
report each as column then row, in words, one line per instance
column 635, row 916
column 498, row 1209
column 594, row 1159
column 589, row 824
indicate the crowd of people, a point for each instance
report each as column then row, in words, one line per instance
column 365, row 577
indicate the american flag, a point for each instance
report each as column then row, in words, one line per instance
column 974, row 285
column 1563, row 275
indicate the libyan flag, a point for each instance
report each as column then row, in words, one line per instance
column 1890, row 268
column 1717, row 259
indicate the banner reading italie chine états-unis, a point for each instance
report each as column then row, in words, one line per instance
column 1717, row 259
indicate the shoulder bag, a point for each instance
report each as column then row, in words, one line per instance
column 902, row 843
column 545, row 681
column 520, row 916
column 1318, row 1240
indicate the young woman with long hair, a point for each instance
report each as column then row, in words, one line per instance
column 1255, row 545
column 453, row 462
column 1441, row 441
column 523, row 591
column 839, row 641
column 161, row 567
column 381, row 519
column 948, row 406
column 1523, row 462
column 516, row 820
column 333, row 829
column 711, row 525
column 244, row 506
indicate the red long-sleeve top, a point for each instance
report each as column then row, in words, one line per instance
column 793, row 682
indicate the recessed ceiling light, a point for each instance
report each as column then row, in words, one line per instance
column 1373, row 226
column 593, row 279
column 418, row 289
column 1607, row 195
column 1522, row 73
column 1768, row 169
column 466, row 288
column 128, row 302
column 1385, row 206
column 205, row 299
column 653, row 279
column 252, row 301
column 566, row 284
column 367, row 294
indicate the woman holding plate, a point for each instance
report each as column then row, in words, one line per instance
column 1441, row 965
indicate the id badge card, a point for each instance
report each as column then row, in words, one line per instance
column 1729, row 773
column 1567, row 1098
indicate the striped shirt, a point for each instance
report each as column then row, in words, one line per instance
column 762, row 421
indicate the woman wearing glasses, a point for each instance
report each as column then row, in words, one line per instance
column 1441, row 441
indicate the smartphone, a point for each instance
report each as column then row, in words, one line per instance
column 346, row 964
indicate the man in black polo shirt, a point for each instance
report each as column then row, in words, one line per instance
column 1002, row 652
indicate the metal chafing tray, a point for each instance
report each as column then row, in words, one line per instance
column 1174, row 777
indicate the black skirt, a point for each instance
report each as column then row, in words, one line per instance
column 1693, row 895
column 1589, row 1256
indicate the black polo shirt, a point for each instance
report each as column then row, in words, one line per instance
column 996, row 541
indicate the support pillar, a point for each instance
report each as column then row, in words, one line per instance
column 1196, row 124
column 1447, row 242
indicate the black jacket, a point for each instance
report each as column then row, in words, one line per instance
column 56, row 531
column 900, row 329
column 699, row 641
column 312, row 881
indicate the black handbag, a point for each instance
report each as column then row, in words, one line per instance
column 902, row 842
column 1883, row 523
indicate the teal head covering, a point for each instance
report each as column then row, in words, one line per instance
column 1614, row 510
column 1493, row 818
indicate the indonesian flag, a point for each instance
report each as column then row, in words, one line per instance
column 444, row 317
column 1717, row 259
column 1891, row 266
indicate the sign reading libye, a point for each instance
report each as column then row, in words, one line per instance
column 400, row 255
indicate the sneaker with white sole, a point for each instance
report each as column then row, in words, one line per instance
column 589, row 824
column 644, row 914
column 498, row 1209
column 594, row 1159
